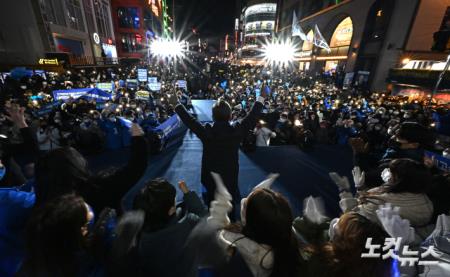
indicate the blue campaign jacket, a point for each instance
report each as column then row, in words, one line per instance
column 15, row 209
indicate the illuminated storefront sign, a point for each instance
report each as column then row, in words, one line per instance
column 261, row 8
column 96, row 38
column 342, row 36
column 49, row 61
column 303, row 54
column 260, row 25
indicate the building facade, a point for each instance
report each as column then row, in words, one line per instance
column 258, row 27
column 137, row 23
column 366, row 38
column 78, row 31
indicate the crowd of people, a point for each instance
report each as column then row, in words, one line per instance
column 58, row 218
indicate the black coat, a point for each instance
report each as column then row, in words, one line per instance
column 109, row 187
column 221, row 142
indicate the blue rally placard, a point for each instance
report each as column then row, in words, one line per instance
column 142, row 75
column 439, row 161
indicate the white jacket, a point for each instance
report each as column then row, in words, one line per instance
column 416, row 207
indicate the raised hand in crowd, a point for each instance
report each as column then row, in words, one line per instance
column 394, row 225
column 358, row 177
column 16, row 114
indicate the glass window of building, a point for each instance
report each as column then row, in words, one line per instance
column 74, row 15
column 102, row 17
column 128, row 18
column 54, row 11
column 131, row 42
column 89, row 16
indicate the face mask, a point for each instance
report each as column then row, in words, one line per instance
column 386, row 175
column 23, row 87
column 44, row 83
column 2, row 172
column 53, row 82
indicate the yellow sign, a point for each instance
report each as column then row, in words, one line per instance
column 48, row 61
column 142, row 95
column 342, row 35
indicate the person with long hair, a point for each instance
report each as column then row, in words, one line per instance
column 406, row 185
column 263, row 244
column 56, row 240
column 341, row 256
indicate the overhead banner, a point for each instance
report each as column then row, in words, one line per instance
column 142, row 75
column 296, row 29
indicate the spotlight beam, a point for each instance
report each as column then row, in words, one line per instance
column 279, row 53
column 167, row 48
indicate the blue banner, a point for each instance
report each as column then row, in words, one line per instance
column 86, row 93
column 438, row 160
column 47, row 108
column 168, row 127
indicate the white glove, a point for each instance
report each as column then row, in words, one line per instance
column 267, row 183
column 442, row 225
column 394, row 225
column 359, row 177
column 221, row 205
column 313, row 210
column 341, row 182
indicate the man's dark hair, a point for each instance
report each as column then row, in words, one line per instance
column 155, row 199
column 221, row 111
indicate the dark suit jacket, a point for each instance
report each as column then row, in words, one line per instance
column 221, row 143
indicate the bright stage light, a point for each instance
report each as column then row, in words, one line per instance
column 167, row 48
column 279, row 53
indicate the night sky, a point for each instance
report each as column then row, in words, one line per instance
column 212, row 18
